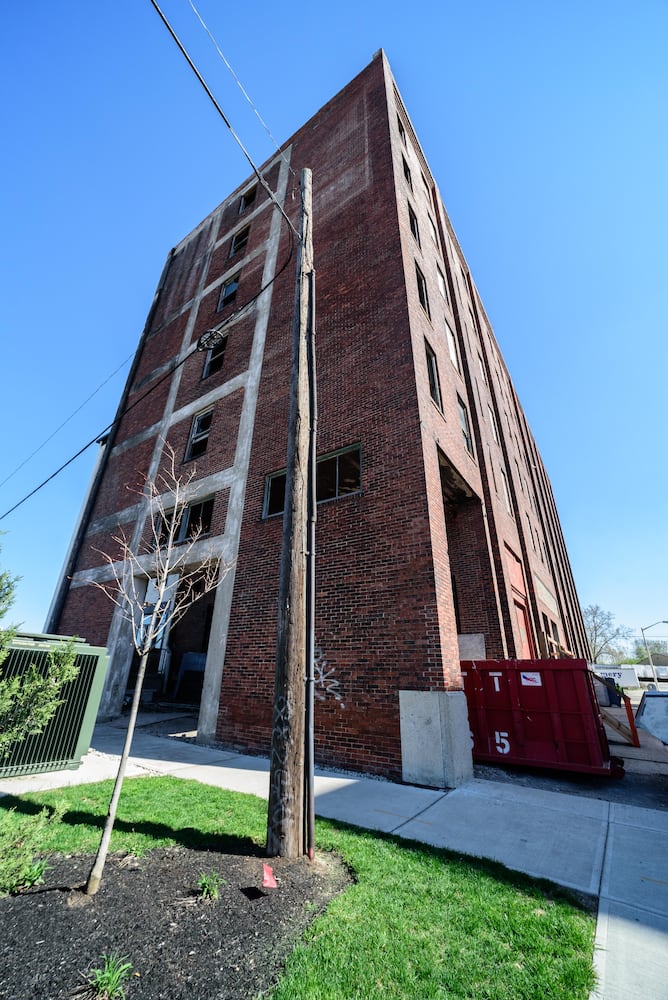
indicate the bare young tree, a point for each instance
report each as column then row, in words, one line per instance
column 180, row 573
column 606, row 638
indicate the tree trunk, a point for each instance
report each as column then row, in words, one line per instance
column 95, row 877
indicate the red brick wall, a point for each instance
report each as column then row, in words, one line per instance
column 87, row 614
column 385, row 558
column 377, row 615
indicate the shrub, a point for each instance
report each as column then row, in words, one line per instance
column 19, row 843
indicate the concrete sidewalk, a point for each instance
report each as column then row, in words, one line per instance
column 616, row 852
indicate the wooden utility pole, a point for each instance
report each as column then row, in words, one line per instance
column 285, row 817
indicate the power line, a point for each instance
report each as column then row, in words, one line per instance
column 292, row 233
column 222, row 115
column 170, row 371
column 241, row 86
column 66, row 421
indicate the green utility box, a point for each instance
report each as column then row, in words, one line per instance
column 66, row 738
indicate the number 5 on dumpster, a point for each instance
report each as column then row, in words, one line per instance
column 502, row 742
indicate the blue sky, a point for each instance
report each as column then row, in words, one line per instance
column 545, row 127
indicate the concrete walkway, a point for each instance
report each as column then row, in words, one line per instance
column 614, row 851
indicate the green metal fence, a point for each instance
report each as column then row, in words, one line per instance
column 66, row 738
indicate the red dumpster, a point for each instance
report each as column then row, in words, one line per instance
column 541, row 713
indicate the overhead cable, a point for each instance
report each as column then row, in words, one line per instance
column 241, row 86
column 223, row 115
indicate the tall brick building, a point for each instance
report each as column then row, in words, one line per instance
column 438, row 535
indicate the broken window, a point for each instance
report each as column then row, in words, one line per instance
column 412, row 218
column 239, row 241
column 432, row 370
column 214, row 358
column 195, row 521
column 422, row 290
column 247, row 199
column 452, row 347
column 337, row 475
column 407, row 173
column 199, row 435
column 402, row 130
column 228, row 292
column 465, row 425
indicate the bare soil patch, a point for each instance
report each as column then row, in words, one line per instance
column 149, row 910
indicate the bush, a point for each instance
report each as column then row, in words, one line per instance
column 19, row 844
column 28, row 701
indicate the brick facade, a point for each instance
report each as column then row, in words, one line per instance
column 452, row 497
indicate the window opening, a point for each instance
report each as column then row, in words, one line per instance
column 422, row 290
column 465, row 425
column 491, row 465
column 434, row 234
column 506, row 491
column 239, row 241
column 432, row 370
column 402, row 130
column 247, row 199
column 407, row 173
column 440, row 278
column 214, row 358
column 412, row 218
column 492, row 420
column 195, row 521
column 199, row 435
column 452, row 346
column 337, row 476
column 228, row 292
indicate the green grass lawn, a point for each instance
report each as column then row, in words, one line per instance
column 417, row 923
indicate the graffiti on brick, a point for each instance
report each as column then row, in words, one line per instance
column 326, row 683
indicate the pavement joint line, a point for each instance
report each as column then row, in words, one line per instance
column 420, row 812
column 631, row 906
column 607, row 821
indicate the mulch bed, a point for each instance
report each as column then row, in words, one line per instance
column 150, row 911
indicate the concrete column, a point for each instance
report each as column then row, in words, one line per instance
column 435, row 738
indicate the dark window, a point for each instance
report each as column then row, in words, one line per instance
column 337, row 476
column 412, row 218
column 198, row 521
column 407, row 173
column 228, row 292
column 195, row 521
column 199, row 435
column 214, row 358
column 432, row 369
column 247, row 199
column 239, row 241
column 465, row 425
column 422, row 290
column 402, row 130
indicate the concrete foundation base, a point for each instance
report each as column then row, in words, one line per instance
column 435, row 738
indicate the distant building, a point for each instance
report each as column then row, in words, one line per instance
column 438, row 535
